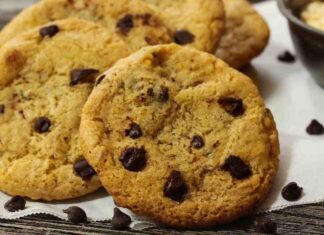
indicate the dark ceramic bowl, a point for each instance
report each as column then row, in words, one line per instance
column 308, row 41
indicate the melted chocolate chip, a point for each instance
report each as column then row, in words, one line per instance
column 175, row 187
column 42, row 124
column 183, row 37
column 150, row 92
column 120, row 220
column 15, row 204
column 82, row 75
column 163, row 95
column 236, row 167
column 232, row 106
column 287, row 57
column 76, row 215
column 125, row 24
column 265, row 225
column 83, row 169
column 315, row 128
column 49, row 31
column 134, row 131
column 291, row 192
column 2, row 108
column 197, row 142
column 133, row 159
column 100, row 79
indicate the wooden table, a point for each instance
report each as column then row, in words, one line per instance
column 308, row 219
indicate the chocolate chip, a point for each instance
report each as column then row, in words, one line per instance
column 2, row 108
column 183, row 37
column 175, row 187
column 287, row 57
column 291, row 192
column 315, row 128
column 82, row 75
column 83, row 169
column 76, row 215
column 42, row 124
column 15, row 204
column 99, row 80
column 134, row 131
column 133, row 159
column 120, row 220
column 150, row 92
column 145, row 18
column 232, row 106
column 197, row 142
column 49, row 31
column 265, row 225
column 236, row 167
column 163, row 95
column 125, row 24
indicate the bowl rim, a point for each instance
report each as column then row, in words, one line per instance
column 287, row 13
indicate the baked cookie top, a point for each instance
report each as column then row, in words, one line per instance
column 198, row 23
column 46, row 75
column 246, row 34
column 176, row 134
column 133, row 20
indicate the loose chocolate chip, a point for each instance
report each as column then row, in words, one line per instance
column 287, row 57
column 120, row 220
column 15, row 204
column 197, row 142
column 2, row 108
column 232, row 106
column 150, row 92
column 315, row 128
column 125, row 24
column 183, row 37
column 163, row 95
column 291, row 192
column 175, row 187
column 42, row 124
column 49, row 31
column 83, row 169
column 82, row 75
column 133, row 159
column 76, row 214
column 265, row 225
column 99, row 80
column 134, row 131
column 236, row 167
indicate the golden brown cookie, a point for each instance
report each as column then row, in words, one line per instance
column 46, row 75
column 177, row 135
column 246, row 34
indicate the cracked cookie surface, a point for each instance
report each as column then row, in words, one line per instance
column 177, row 135
column 46, row 75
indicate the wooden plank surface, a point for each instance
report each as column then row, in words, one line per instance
column 308, row 219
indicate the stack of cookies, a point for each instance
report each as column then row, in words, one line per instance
column 122, row 94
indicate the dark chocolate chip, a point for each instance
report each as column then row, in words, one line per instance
column 145, row 18
column 175, row 187
column 236, row 167
column 134, row 131
column 315, row 128
column 82, row 75
column 2, row 108
column 83, row 169
column 232, row 106
column 150, row 92
column 163, row 95
column 291, row 192
column 100, row 79
column 49, row 31
column 183, row 37
column 265, row 225
column 286, row 57
column 197, row 142
column 120, row 220
column 76, row 215
column 16, row 203
column 42, row 124
column 125, row 24
column 133, row 159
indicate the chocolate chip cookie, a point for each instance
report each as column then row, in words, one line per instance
column 133, row 20
column 177, row 135
column 246, row 34
column 46, row 75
